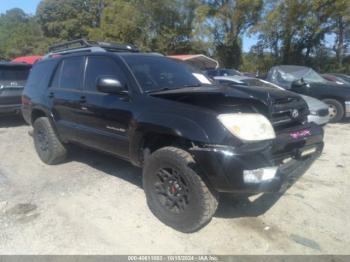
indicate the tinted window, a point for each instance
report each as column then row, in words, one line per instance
column 157, row 72
column 99, row 66
column 40, row 74
column 14, row 73
column 55, row 80
column 71, row 73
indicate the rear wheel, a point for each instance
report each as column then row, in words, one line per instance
column 175, row 193
column 50, row 150
column 336, row 110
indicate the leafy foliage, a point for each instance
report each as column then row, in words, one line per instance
column 19, row 34
column 289, row 31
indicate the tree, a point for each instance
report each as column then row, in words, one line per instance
column 19, row 35
column 68, row 19
column 228, row 20
column 162, row 26
column 341, row 28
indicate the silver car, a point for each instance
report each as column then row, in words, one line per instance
column 319, row 112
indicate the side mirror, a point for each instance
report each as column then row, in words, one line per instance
column 110, row 85
column 299, row 83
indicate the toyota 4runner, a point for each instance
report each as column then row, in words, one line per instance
column 192, row 138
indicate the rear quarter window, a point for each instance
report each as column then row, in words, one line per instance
column 39, row 76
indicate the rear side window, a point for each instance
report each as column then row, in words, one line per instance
column 100, row 66
column 12, row 73
column 69, row 73
column 40, row 75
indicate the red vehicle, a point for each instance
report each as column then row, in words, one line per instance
column 27, row 59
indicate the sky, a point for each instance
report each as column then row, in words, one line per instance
column 29, row 7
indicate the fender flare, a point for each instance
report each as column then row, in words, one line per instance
column 163, row 124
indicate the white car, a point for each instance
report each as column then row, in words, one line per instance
column 319, row 111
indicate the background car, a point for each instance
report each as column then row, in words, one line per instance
column 339, row 77
column 306, row 81
column 336, row 79
column 318, row 110
column 222, row 72
column 13, row 77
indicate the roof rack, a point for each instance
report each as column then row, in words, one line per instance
column 83, row 45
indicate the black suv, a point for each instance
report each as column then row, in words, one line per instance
column 192, row 138
column 13, row 77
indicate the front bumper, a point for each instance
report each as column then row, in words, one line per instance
column 319, row 120
column 8, row 109
column 223, row 167
column 347, row 108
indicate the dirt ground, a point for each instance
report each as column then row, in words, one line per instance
column 94, row 204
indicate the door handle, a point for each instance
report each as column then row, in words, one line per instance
column 82, row 99
column 51, row 95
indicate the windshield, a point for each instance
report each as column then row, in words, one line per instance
column 312, row 76
column 308, row 75
column 11, row 74
column 160, row 73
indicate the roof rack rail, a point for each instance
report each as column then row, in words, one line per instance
column 83, row 45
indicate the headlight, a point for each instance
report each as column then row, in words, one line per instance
column 248, row 126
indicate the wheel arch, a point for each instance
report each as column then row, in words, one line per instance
column 148, row 137
column 339, row 99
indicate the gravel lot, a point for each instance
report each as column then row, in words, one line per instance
column 94, row 204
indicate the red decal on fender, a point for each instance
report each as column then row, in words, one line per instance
column 301, row 133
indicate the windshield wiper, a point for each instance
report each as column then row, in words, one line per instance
column 159, row 90
column 193, row 85
column 171, row 88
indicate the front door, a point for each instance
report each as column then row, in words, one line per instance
column 106, row 116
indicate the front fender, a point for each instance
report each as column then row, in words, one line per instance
column 163, row 124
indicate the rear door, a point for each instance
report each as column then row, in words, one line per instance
column 12, row 81
column 65, row 93
column 106, row 117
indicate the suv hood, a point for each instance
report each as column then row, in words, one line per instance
column 266, row 96
column 283, row 108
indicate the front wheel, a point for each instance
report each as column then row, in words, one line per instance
column 50, row 150
column 176, row 194
column 336, row 110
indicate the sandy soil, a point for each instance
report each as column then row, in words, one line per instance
column 94, row 204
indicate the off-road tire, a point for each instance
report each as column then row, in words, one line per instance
column 49, row 148
column 338, row 107
column 202, row 202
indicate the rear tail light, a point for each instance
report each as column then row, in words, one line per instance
column 26, row 101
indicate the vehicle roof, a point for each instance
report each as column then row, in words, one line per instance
column 60, row 56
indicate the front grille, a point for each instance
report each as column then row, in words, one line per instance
column 288, row 111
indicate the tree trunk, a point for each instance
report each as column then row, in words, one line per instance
column 340, row 42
